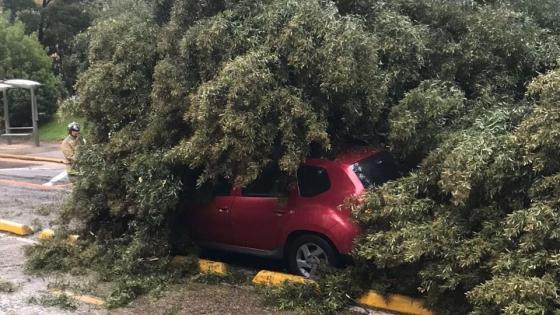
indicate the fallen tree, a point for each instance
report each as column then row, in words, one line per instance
column 185, row 92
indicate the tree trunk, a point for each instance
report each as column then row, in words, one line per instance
column 40, row 31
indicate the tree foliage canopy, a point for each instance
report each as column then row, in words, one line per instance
column 181, row 93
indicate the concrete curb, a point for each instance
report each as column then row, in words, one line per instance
column 15, row 228
column 393, row 302
column 79, row 297
column 31, row 158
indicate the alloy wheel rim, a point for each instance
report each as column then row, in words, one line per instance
column 308, row 258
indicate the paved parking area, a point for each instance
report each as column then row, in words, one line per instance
column 27, row 287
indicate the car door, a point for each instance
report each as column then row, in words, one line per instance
column 211, row 223
column 259, row 211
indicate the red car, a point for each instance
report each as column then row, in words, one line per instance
column 301, row 222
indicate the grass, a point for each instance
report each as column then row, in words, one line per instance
column 56, row 128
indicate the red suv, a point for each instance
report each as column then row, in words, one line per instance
column 300, row 221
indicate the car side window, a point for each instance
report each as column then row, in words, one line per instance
column 270, row 183
column 312, row 180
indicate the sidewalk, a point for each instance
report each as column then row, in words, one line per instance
column 26, row 148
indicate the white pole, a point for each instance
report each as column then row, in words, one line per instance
column 6, row 114
column 35, row 117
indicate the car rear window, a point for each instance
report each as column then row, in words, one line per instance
column 312, row 180
column 376, row 170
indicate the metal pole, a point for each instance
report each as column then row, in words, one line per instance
column 35, row 117
column 6, row 114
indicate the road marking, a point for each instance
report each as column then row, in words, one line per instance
column 30, row 168
column 15, row 183
column 57, row 178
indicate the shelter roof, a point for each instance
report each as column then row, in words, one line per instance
column 26, row 84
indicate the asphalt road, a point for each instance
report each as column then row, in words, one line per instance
column 32, row 172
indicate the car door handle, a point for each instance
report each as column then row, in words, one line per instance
column 223, row 210
column 279, row 212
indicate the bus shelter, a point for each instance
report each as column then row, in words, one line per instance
column 11, row 131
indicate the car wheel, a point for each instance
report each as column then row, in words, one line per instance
column 307, row 252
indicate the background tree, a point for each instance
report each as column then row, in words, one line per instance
column 21, row 56
column 15, row 6
column 56, row 24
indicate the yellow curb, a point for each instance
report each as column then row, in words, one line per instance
column 204, row 266
column 180, row 260
column 277, row 278
column 82, row 298
column 395, row 303
column 31, row 158
column 15, row 228
column 208, row 266
column 46, row 234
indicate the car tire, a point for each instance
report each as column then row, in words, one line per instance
column 307, row 252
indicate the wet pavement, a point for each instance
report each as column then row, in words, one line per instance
column 27, row 288
column 30, row 172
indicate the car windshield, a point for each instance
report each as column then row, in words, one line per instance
column 376, row 170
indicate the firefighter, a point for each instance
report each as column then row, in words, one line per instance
column 70, row 144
